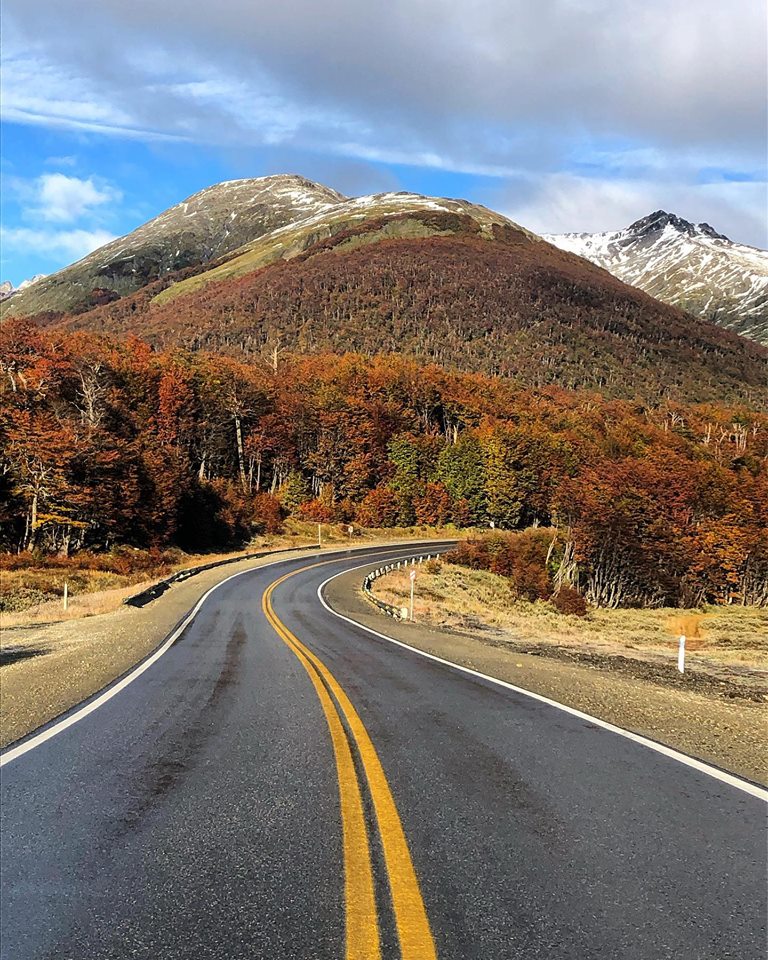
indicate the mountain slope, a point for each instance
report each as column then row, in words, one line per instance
column 406, row 214
column 202, row 228
column 445, row 281
column 687, row 265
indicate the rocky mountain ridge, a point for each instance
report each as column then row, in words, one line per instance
column 7, row 289
column 690, row 266
column 206, row 226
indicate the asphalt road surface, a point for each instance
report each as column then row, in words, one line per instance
column 282, row 785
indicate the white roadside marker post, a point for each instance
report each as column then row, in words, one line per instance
column 319, row 538
column 413, row 581
column 66, row 594
column 681, row 654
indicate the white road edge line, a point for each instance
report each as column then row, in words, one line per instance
column 744, row 785
column 14, row 752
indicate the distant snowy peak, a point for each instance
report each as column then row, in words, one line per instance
column 688, row 265
column 7, row 289
column 659, row 220
column 28, row 283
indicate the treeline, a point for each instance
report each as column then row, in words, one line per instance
column 523, row 310
column 108, row 443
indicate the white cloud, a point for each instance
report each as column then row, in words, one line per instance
column 60, row 198
column 438, row 77
column 648, row 93
column 58, row 217
column 67, row 244
column 63, row 199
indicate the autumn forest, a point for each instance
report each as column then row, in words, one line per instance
column 108, row 443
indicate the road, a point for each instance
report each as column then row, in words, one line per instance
column 280, row 784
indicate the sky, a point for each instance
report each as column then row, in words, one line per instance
column 565, row 115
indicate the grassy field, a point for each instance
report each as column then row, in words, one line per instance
column 475, row 600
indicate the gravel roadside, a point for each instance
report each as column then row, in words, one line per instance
column 730, row 734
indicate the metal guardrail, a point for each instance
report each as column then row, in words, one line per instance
column 395, row 612
column 158, row 589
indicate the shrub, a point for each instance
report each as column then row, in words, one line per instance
column 22, row 599
column 474, row 554
column 523, row 558
column 520, row 556
column 433, row 566
column 267, row 514
column 570, row 601
column 318, row 510
column 379, row 509
column 121, row 560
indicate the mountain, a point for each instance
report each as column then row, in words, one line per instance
column 7, row 289
column 445, row 281
column 690, row 266
column 202, row 228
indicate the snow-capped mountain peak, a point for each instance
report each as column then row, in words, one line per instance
column 689, row 265
column 660, row 220
column 7, row 289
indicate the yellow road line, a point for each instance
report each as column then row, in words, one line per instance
column 362, row 928
column 416, row 942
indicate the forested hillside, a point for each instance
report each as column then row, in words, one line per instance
column 447, row 288
column 107, row 442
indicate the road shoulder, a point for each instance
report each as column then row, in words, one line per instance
column 727, row 733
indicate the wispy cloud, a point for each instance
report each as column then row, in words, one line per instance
column 67, row 244
column 67, row 161
column 37, row 90
column 614, row 91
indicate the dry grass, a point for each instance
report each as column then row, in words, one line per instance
column 464, row 599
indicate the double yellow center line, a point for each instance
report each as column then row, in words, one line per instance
column 363, row 940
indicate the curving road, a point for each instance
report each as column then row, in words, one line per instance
column 281, row 784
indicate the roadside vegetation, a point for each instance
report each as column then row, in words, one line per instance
column 483, row 603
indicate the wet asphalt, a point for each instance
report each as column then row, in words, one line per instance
column 195, row 814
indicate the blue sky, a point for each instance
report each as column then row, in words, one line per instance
column 562, row 114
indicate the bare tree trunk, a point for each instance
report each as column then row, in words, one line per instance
column 65, row 541
column 568, row 571
column 32, row 526
column 240, row 454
